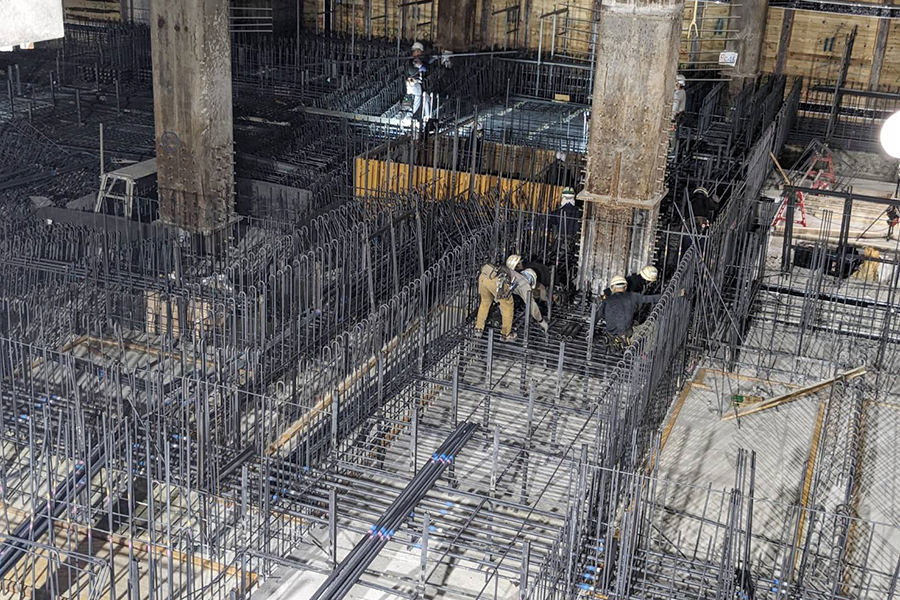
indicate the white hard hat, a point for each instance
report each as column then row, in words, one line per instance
column 513, row 262
column 617, row 282
column 680, row 80
column 649, row 273
column 418, row 46
column 531, row 276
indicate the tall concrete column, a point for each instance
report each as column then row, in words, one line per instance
column 749, row 17
column 191, row 49
column 456, row 25
column 631, row 113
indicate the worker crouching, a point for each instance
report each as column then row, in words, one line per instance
column 498, row 284
column 619, row 308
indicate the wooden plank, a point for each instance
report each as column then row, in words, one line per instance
column 810, row 467
column 697, row 382
column 795, row 394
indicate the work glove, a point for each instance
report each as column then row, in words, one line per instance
column 545, row 325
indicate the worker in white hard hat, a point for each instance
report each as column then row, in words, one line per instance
column 618, row 309
column 565, row 229
column 705, row 206
column 642, row 282
column 679, row 103
column 413, row 100
column 498, row 284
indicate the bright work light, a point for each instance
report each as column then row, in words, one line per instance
column 890, row 135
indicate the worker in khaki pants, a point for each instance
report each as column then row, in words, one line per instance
column 498, row 284
column 495, row 285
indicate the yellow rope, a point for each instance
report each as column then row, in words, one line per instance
column 693, row 32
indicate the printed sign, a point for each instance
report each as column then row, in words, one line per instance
column 728, row 58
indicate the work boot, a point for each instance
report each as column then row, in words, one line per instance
column 479, row 333
column 511, row 337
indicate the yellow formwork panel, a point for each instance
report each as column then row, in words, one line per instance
column 378, row 177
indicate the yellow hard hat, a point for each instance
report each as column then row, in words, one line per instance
column 649, row 273
column 513, row 262
column 617, row 282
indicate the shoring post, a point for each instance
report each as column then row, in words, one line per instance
column 527, row 322
column 523, row 573
column 490, row 377
column 335, row 415
column 559, row 368
column 523, row 496
column 590, row 334
column 530, row 429
column 332, row 525
column 454, row 397
column 245, row 490
column 423, row 575
column 550, row 295
column 414, row 436
column 495, row 458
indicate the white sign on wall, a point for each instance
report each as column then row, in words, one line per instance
column 728, row 58
column 28, row 21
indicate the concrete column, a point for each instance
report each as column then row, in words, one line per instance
column 456, row 25
column 750, row 22
column 631, row 113
column 191, row 49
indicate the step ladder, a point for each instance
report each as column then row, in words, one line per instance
column 819, row 179
column 120, row 185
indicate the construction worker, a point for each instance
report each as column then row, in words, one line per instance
column 565, row 225
column 543, row 274
column 679, row 101
column 413, row 100
column 566, row 218
column 642, row 282
column 893, row 218
column 619, row 308
column 538, row 287
column 498, row 284
column 562, row 171
column 705, row 206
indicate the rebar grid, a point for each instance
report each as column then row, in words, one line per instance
column 182, row 416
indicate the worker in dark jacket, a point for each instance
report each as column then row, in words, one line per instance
column 565, row 228
column 565, row 219
column 618, row 310
column 705, row 206
column 641, row 283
